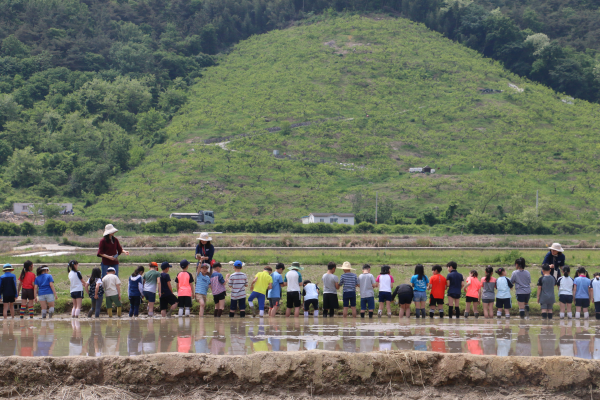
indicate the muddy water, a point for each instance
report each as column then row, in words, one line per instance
column 237, row 336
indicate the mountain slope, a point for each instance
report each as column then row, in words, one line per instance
column 381, row 95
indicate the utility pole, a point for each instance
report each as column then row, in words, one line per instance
column 375, row 208
column 537, row 201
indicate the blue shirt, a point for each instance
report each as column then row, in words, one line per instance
column 503, row 284
column 419, row 285
column 455, row 280
column 583, row 285
column 8, row 287
column 202, row 284
column 275, row 293
column 43, row 283
column 208, row 250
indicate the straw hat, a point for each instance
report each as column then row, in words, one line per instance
column 557, row 247
column 347, row 267
column 108, row 229
column 205, row 237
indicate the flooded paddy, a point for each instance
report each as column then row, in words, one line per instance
column 225, row 336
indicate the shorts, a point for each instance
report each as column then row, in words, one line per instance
column 565, row 298
column 523, row 298
column 503, row 303
column 583, row 303
column 385, row 296
column 274, row 302
column 404, row 299
column 150, row 296
column 546, row 306
column 185, row 301
column 167, row 300
column 200, row 298
column 293, row 299
column 349, row 299
column 454, row 295
column 330, row 301
column 238, row 304
column 311, row 302
column 435, row 302
column 420, row 296
column 487, row 301
column 27, row 294
column 46, row 297
column 367, row 303
column 8, row 299
column 77, row 295
column 470, row 299
column 113, row 299
column 218, row 297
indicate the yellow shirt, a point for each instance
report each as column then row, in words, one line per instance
column 262, row 282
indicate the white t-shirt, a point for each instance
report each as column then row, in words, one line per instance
column 75, row 278
column 385, row 282
column 565, row 285
column 292, row 281
column 311, row 292
column 596, row 289
column 110, row 282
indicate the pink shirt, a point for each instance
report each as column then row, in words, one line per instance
column 473, row 289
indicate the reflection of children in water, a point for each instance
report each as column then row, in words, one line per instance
column 385, row 344
column 523, row 347
column 8, row 342
column 184, row 335
column 26, row 340
column 566, row 345
column 488, row 339
column 474, row 342
column 438, row 342
column 260, row 343
column 420, row 343
column 583, row 343
column 237, row 338
column 76, row 340
column 504, row 340
column 96, row 340
column 349, row 338
column 165, row 336
column 112, row 339
column 201, row 342
column 149, row 339
column 134, row 339
column 217, row 343
column 367, row 341
column 547, row 341
column 294, row 334
column 596, row 342
column 454, row 341
column 45, row 340
column 274, row 330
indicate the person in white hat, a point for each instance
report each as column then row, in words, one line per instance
column 204, row 251
column 109, row 250
column 555, row 258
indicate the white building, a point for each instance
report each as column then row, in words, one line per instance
column 26, row 208
column 329, row 218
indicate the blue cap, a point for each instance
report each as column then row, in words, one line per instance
column 165, row 265
column 237, row 264
column 184, row 263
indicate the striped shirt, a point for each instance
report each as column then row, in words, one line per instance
column 202, row 283
column 349, row 282
column 237, row 283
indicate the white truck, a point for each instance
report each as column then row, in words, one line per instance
column 202, row 217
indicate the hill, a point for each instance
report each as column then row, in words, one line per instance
column 373, row 97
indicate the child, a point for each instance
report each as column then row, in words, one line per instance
column 274, row 295
column 565, row 292
column 184, row 285
column 311, row 297
column 330, row 287
column 581, row 291
column 367, row 295
column 405, row 295
column 8, row 289
column 150, row 283
column 217, row 286
column 96, row 292
column 112, row 287
column 168, row 301
column 25, row 286
column 473, row 293
column 419, row 282
column 202, row 284
column 545, row 292
column 455, row 283
column 503, row 284
column 293, row 280
column 386, row 283
column 595, row 286
column 44, row 291
column 522, row 281
column 349, row 281
column 437, row 285
column 77, row 285
column 488, row 294
column 238, row 282
column 135, row 288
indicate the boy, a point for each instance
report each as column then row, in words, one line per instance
column 167, row 298
column 292, row 280
column 184, row 282
column 261, row 283
column 8, row 289
column 454, row 283
column 311, row 297
column 595, row 293
column 545, row 292
column 202, row 284
column 238, row 281
column 149, row 290
column 367, row 283
column 349, row 281
column 437, row 287
column 217, row 286
column 112, row 289
column 582, row 293
column 274, row 295
column 330, row 287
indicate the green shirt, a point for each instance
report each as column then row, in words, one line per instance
column 150, row 278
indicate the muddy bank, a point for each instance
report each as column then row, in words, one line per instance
column 303, row 373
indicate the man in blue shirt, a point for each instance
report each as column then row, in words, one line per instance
column 454, row 283
column 274, row 295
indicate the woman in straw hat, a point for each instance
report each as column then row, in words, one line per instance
column 204, row 250
column 555, row 259
column 110, row 249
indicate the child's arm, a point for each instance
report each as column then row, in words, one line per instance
column 591, row 292
column 97, row 288
column 539, row 290
column 158, row 287
column 119, row 290
column 574, row 289
column 19, row 287
column 253, row 282
column 35, row 292
column 53, row 290
column 480, row 293
column 466, row 286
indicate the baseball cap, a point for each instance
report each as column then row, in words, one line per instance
column 154, row 264
column 165, row 265
column 184, row 263
column 237, row 264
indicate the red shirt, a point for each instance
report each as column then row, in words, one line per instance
column 109, row 249
column 438, row 286
column 27, row 282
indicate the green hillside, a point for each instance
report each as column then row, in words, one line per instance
column 381, row 95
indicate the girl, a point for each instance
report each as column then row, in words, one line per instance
column 26, row 288
column 473, row 292
column 419, row 282
column 77, row 285
column 565, row 293
column 488, row 292
column 581, row 286
column 522, row 281
column 135, row 290
column 386, row 283
column 44, row 291
column 503, row 284
column 96, row 292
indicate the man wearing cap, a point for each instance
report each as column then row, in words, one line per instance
column 8, row 290
column 555, row 259
column 204, row 250
column 112, row 289
column 260, row 285
column 150, row 283
column 292, row 281
column 109, row 250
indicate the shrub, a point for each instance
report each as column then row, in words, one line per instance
column 27, row 228
column 54, row 227
column 364, row 227
column 9, row 229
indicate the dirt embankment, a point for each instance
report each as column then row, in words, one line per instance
column 303, row 373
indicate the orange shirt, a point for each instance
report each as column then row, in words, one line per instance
column 438, row 286
column 184, row 344
column 473, row 289
column 474, row 346
column 438, row 345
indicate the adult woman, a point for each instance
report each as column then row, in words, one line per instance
column 555, row 259
column 205, row 250
column 110, row 249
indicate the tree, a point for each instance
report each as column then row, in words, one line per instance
column 24, row 168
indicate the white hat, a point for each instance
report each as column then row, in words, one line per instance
column 108, row 229
column 44, row 267
column 557, row 247
column 111, row 269
column 347, row 267
column 204, row 236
